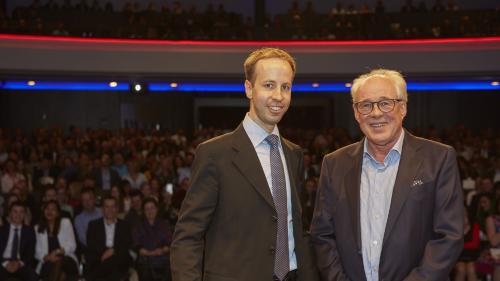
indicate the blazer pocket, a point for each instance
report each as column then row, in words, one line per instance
column 422, row 191
column 207, row 276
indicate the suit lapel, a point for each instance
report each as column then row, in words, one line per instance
column 246, row 160
column 408, row 166
column 352, row 185
column 291, row 164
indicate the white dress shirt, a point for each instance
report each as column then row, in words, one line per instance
column 10, row 242
column 257, row 136
column 110, row 233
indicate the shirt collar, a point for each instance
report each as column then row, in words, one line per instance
column 256, row 133
column 109, row 224
column 396, row 149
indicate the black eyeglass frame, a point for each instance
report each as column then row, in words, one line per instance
column 394, row 101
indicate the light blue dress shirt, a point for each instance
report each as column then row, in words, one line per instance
column 257, row 136
column 377, row 184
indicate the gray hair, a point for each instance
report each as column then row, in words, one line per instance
column 392, row 75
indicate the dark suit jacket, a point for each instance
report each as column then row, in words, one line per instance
column 96, row 242
column 114, row 177
column 424, row 231
column 26, row 245
column 227, row 225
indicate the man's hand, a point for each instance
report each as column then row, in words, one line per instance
column 13, row 266
column 107, row 254
column 144, row 252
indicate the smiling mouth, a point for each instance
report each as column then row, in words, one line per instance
column 378, row 125
column 275, row 109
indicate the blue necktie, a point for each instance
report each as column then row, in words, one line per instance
column 281, row 258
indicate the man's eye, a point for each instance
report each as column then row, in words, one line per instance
column 286, row 87
column 365, row 104
column 384, row 103
column 269, row 85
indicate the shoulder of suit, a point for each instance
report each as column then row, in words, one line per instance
column 291, row 145
column 217, row 141
column 344, row 151
column 431, row 144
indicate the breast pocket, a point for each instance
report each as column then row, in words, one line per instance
column 423, row 190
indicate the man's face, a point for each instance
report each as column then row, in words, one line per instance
column 88, row 201
column 270, row 93
column 105, row 160
column 109, row 209
column 50, row 194
column 136, row 203
column 16, row 215
column 381, row 129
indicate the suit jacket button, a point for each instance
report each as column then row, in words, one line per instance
column 272, row 250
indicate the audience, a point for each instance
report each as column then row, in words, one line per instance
column 149, row 192
column 176, row 22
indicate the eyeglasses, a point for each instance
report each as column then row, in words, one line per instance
column 366, row 107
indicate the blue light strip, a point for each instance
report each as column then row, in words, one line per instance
column 236, row 87
column 64, row 86
column 322, row 87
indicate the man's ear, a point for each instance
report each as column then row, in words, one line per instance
column 248, row 89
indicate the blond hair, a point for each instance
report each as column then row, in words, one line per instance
column 265, row 53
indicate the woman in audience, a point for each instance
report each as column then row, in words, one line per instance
column 55, row 245
column 152, row 238
column 116, row 192
column 465, row 268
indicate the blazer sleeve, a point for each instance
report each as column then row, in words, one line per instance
column 67, row 237
column 323, row 230
column 29, row 252
column 41, row 249
column 93, row 250
column 195, row 216
column 442, row 252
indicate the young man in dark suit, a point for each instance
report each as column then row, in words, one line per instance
column 108, row 244
column 241, row 219
column 17, row 246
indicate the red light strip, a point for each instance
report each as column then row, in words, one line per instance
column 249, row 43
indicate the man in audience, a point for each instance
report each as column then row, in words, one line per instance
column 17, row 246
column 134, row 214
column 106, row 177
column 108, row 244
column 89, row 213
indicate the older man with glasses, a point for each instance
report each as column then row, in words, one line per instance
column 390, row 206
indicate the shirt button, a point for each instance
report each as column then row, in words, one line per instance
column 375, row 242
column 377, row 216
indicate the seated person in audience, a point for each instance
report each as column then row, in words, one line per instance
column 152, row 238
column 17, row 246
column 108, row 244
column 89, row 213
column 465, row 269
column 493, row 234
column 133, row 216
column 106, row 177
column 49, row 194
column 46, row 170
column 55, row 245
